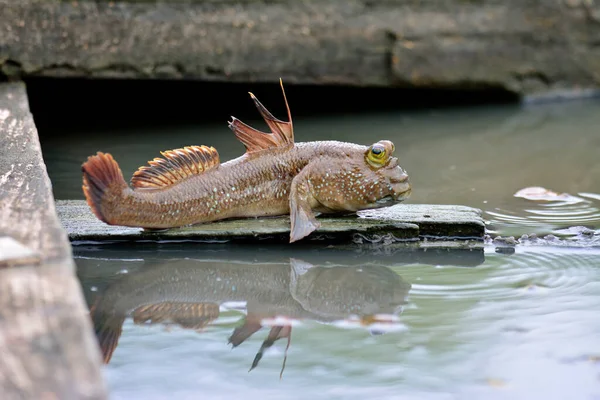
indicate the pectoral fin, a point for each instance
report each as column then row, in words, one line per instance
column 298, row 268
column 240, row 334
column 303, row 221
column 276, row 333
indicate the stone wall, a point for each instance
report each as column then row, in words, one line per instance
column 526, row 47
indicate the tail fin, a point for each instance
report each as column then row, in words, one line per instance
column 101, row 174
column 108, row 328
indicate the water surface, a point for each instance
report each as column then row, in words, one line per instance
column 366, row 325
column 369, row 321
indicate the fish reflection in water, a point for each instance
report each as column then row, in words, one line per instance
column 190, row 294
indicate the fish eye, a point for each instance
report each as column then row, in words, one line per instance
column 377, row 155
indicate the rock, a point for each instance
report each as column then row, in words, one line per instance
column 547, row 47
column 509, row 241
column 402, row 223
column 46, row 340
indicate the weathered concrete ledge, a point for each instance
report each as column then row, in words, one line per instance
column 525, row 47
column 402, row 223
column 46, row 339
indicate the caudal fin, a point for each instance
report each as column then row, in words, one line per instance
column 108, row 328
column 101, row 177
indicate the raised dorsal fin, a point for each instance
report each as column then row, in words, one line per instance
column 282, row 133
column 176, row 165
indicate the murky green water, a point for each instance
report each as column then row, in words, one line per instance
column 370, row 322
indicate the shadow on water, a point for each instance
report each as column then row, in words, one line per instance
column 190, row 287
column 351, row 254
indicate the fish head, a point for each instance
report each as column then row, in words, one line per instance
column 364, row 178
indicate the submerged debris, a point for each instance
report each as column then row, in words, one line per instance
column 575, row 236
column 510, row 240
column 576, row 230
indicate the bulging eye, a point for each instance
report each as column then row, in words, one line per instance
column 377, row 155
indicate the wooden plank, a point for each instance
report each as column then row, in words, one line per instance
column 46, row 339
column 401, row 223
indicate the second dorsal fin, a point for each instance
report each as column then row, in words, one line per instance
column 187, row 315
column 282, row 133
column 176, row 165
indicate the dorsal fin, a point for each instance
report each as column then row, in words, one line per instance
column 187, row 315
column 176, row 165
column 282, row 133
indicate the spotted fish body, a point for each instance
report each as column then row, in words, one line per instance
column 274, row 177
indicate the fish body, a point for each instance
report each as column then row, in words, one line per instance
column 274, row 177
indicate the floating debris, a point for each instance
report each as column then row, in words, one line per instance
column 538, row 193
column 569, row 237
column 510, row 240
column 576, row 230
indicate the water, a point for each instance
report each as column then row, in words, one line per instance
column 371, row 321
column 515, row 326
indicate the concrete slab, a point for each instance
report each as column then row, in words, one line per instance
column 401, row 223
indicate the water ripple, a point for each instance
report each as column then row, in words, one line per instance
column 529, row 271
column 548, row 214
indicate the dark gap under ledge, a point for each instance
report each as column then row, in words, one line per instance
column 66, row 104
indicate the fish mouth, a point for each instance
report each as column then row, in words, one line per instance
column 385, row 200
column 401, row 196
column 393, row 199
column 400, row 185
column 401, row 190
